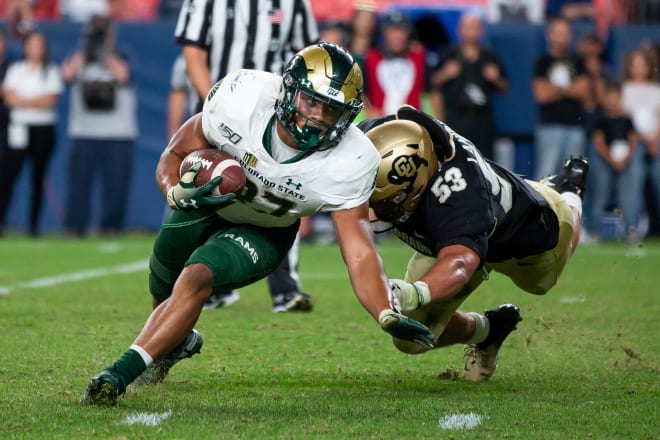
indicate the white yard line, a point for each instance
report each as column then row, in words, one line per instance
column 148, row 419
column 125, row 268
column 461, row 421
column 77, row 276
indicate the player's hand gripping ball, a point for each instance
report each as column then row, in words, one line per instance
column 215, row 163
column 209, row 179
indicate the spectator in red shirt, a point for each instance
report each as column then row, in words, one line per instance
column 395, row 71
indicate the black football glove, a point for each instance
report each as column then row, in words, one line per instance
column 402, row 327
column 186, row 197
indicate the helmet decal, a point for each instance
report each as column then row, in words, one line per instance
column 322, row 76
column 408, row 163
column 405, row 167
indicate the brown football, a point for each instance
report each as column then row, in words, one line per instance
column 216, row 163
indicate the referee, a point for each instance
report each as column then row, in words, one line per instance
column 220, row 36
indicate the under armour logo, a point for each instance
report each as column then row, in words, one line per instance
column 185, row 204
column 291, row 183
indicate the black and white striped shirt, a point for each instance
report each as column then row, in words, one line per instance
column 251, row 34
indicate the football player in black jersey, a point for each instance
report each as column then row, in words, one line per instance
column 466, row 216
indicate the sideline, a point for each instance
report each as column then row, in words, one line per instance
column 77, row 276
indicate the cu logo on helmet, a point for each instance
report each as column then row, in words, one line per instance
column 404, row 168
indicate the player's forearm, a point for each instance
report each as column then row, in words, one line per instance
column 451, row 273
column 364, row 265
column 188, row 138
column 369, row 284
column 167, row 171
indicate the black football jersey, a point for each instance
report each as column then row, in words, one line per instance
column 477, row 203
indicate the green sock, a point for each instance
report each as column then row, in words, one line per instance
column 129, row 366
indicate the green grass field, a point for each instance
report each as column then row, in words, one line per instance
column 582, row 364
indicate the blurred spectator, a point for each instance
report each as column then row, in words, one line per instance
column 363, row 30
column 429, row 30
column 642, row 11
column 395, row 72
column 560, row 86
column 336, row 32
column 652, row 50
column 102, row 130
column 641, row 99
column 21, row 14
column 133, row 10
column 4, row 111
column 516, row 11
column 21, row 21
column 83, row 10
column 30, row 88
column 616, row 161
column 590, row 50
column 463, row 84
column 336, row 10
column 609, row 13
column 571, row 10
column 168, row 9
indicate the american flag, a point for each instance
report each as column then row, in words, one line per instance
column 275, row 15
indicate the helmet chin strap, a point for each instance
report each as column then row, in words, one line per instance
column 310, row 137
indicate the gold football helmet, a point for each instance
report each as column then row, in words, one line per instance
column 408, row 162
column 320, row 76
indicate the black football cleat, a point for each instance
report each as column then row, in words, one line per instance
column 103, row 389
column 481, row 358
column 571, row 178
column 292, row 302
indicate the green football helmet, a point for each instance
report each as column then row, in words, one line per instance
column 322, row 88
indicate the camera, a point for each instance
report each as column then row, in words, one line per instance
column 97, row 82
column 96, row 38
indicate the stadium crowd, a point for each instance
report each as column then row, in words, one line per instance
column 447, row 70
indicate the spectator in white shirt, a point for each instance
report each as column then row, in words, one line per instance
column 30, row 90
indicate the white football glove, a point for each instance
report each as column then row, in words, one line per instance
column 409, row 296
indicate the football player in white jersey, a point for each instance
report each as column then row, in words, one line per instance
column 294, row 138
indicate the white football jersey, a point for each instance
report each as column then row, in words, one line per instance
column 237, row 113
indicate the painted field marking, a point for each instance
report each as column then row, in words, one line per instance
column 572, row 299
column 77, row 276
column 123, row 268
column 147, row 419
column 461, row 421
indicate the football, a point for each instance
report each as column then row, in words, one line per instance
column 215, row 163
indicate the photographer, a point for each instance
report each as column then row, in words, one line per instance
column 102, row 130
